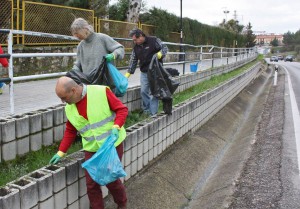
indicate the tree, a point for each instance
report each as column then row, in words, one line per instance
column 297, row 37
column 125, row 10
column 274, row 42
column 288, row 38
column 164, row 22
column 118, row 11
column 250, row 37
column 292, row 41
column 99, row 6
column 232, row 25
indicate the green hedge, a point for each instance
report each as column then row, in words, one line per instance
column 195, row 33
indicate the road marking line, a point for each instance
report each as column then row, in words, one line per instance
column 296, row 118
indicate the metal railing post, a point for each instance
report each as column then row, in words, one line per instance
column 183, row 69
column 212, row 58
column 201, row 53
column 11, row 73
column 227, row 60
column 221, row 56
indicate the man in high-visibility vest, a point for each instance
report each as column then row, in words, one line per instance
column 95, row 112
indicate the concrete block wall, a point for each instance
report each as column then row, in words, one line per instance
column 21, row 134
column 62, row 186
column 29, row 132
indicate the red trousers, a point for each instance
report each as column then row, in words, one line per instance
column 116, row 188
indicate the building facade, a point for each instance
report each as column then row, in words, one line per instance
column 262, row 39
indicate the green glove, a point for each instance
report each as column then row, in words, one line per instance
column 115, row 131
column 109, row 57
column 54, row 159
column 57, row 157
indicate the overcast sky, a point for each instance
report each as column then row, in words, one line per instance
column 271, row 16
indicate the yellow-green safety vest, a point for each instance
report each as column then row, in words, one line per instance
column 98, row 127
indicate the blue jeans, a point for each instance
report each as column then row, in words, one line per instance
column 1, row 84
column 149, row 102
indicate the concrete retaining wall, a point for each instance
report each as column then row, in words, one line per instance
column 63, row 185
column 29, row 132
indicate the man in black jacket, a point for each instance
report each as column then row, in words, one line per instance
column 144, row 49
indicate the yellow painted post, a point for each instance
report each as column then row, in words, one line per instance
column 99, row 25
column 12, row 14
column 95, row 24
column 23, row 20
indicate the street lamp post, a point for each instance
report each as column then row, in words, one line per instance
column 181, row 32
column 226, row 12
column 181, row 56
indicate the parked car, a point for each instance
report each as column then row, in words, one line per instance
column 274, row 59
column 280, row 57
column 289, row 58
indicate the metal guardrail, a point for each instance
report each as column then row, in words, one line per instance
column 207, row 50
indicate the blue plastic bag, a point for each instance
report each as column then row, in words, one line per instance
column 120, row 81
column 105, row 166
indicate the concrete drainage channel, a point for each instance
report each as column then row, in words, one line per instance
column 64, row 186
column 226, row 167
column 201, row 168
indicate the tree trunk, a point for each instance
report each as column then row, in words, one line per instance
column 134, row 11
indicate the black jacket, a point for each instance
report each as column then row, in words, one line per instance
column 145, row 52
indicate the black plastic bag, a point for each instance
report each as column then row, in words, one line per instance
column 162, row 85
column 78, row 76
column 98, row 76
column 167, row 106
column 101, row 76
column 173, row 72
column 171, row 83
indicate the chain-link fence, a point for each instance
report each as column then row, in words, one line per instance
column 6, row 20
column 53, row 19
column 56, row 19
column 174, row 37
column 117, row 29
column 148, row 29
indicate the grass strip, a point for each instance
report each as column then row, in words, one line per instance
column 30, row 162
column 136, row 116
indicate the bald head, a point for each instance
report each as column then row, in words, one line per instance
column 68, row 90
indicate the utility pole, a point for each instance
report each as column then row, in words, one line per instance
column 235, row 15
column 225, row 12
column 181, row 32
column 181, row 56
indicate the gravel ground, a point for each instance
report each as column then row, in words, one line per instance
column 259, row 185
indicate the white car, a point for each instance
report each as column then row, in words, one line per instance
column 274, row 58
